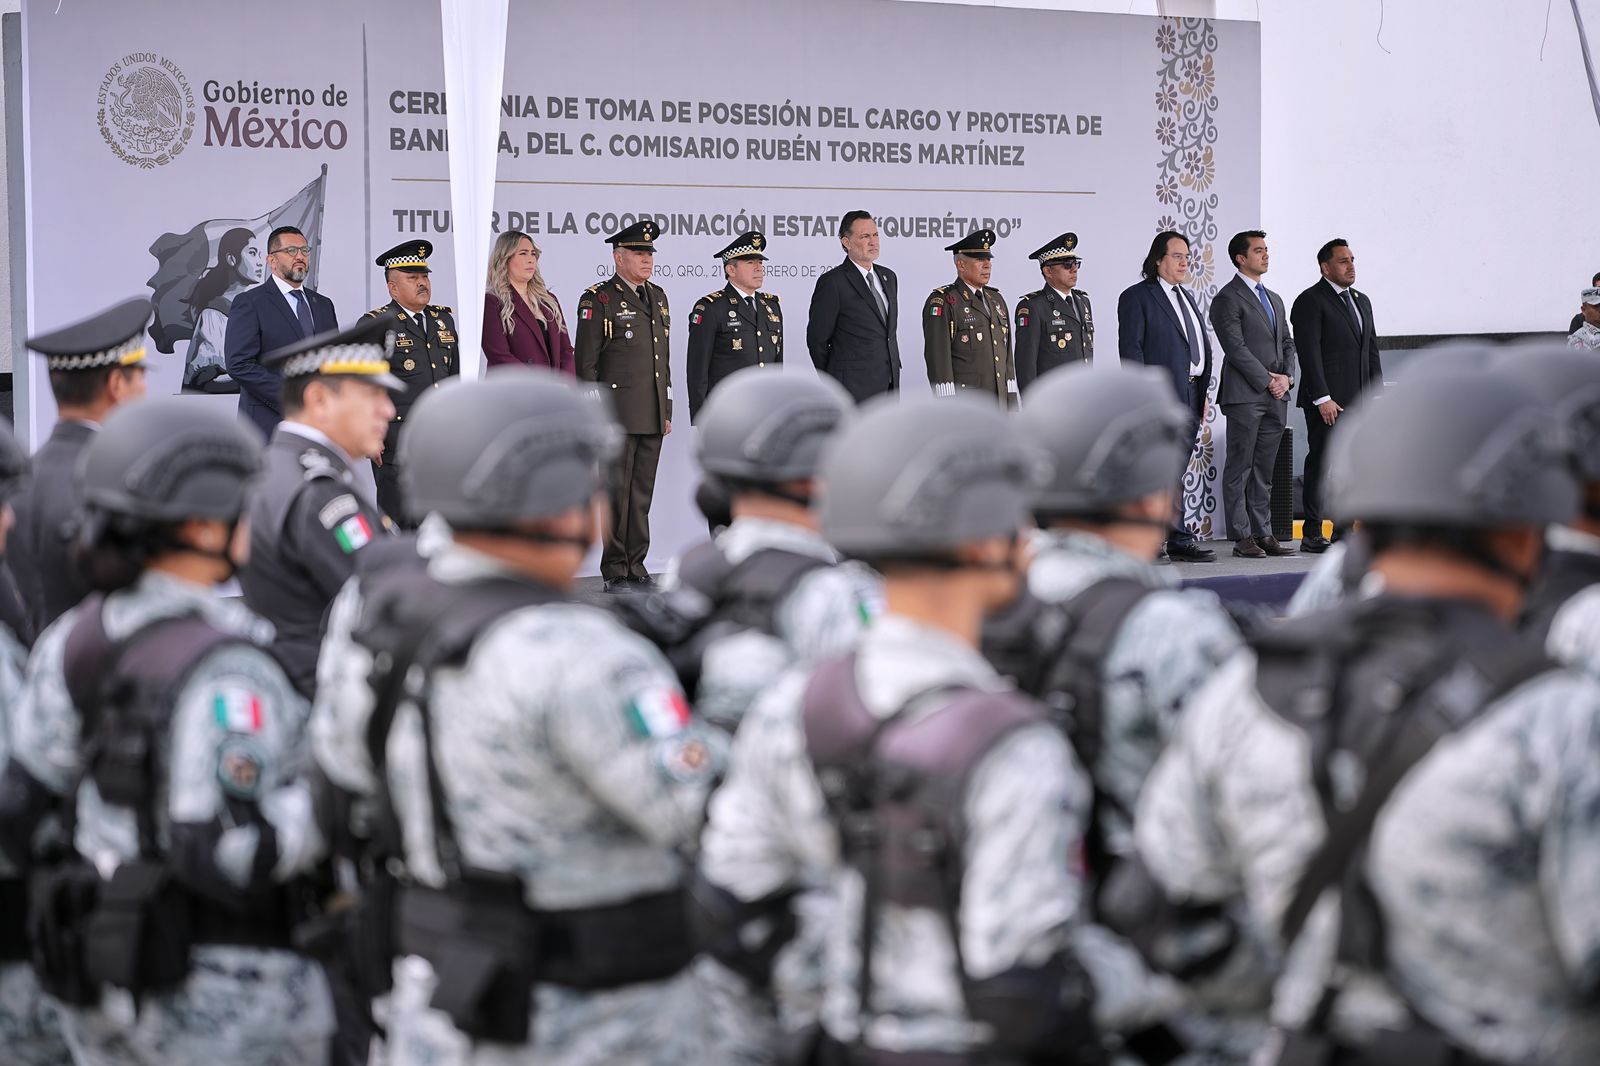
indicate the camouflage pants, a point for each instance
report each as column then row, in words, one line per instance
column 659, row 1023
column 241, row 1006
column 30, row 1026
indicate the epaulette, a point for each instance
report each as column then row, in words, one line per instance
column 436, row 308
column 1029, row 295
column 940, row 290
column 1080, row 292
column 595, row 287
column 769, row 295
column 376, row 311
column 317, row 465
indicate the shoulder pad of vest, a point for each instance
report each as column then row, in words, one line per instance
column 315, row 464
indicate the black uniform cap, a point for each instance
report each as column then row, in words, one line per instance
column 114, row 337
column 745, row 246
column 640, row 236
column 974, row 245
column 1062, row 247
column 358, row 351
column 410, row 256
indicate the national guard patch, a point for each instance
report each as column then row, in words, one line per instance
column 240, row 763
column 686, row 759
column 658, row 712
column 353, row 534
column 336, row 509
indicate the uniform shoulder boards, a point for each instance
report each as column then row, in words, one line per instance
column 440, row 308
column 771, row 296
column 376, row 311
column 710, row 296
column 1035, row 294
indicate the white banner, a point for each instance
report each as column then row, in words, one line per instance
column 149, row 120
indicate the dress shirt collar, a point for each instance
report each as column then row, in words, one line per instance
column 285, row 288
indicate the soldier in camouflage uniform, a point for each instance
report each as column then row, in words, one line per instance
column 966, row 328
column 1586, row 338
column 933, row 493
column 30, row 1031
column 1118, row 442
column 569, row 767
column 164, row 484
column 761, row 438
column 1402, row 792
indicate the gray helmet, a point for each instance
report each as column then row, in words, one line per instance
column 1569, row 381
column 518, row 444
column 14, row 463
column 1113, row 435
column 1477, row 450
column 768, row 426
column 1451, row 358
column 914, row 479
column 169, row 459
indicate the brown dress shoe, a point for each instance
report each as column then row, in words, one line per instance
column 1271, row 546
column 1247, row 548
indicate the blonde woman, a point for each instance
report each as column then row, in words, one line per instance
column 522, row 320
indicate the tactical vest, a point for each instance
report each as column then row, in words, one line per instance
column 714, row 599
column 1383, row 680
column 133, row 930
column 895, row 790
column 487, row 946
column 1563, row 575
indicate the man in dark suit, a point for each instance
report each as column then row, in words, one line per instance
column 1055, row 325
column 1338, row 345
column 95, row 366
column 622, row 351
column 425, row 354
column 736, row 326
column 275, row 314
column 1159, row 324
column 855, row 312
column 1257, row 370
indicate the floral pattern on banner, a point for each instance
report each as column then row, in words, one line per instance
column 1186, row 132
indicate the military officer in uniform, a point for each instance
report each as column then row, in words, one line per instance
column 1401, row 789
column 215, row 808
column 308, row 516
column 621, row 349
column 1055, row 325
column 95, row 365
column 563, row 758
column 426, row 352
column 736, row 326
column 966, row 327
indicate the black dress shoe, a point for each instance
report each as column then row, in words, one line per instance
column 1247, row 548
column 644, row 583
column 1315, row 545
column 1190, row 553
column 618, row 584
column 1271, row 546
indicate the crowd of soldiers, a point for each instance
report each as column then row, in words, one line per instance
column 920, row 761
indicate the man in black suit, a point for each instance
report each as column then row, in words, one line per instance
column 1257, row 370
column 854, row 314
column 95, row 366
column 279, row 312
column 1159, row 324
column 1338, row 345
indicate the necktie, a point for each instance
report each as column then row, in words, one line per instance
column 1350, row 305
column 750, row 302
column 877, row 294
column 1266, row 302
column 1188, row 326
column 302, row 311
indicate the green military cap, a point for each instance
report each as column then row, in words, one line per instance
column 745, row 246
column 1062, row 247
column 409, row 256
column 640, row 236
column 975, row 245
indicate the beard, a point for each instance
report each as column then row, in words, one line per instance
column 296, row 274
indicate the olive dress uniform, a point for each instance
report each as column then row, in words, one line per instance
column 621, row 349
column 966, row 333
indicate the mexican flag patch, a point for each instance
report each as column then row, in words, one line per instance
column 585, row 313
column 237, row 711
column 658, row 712
column 936, row 310
column 353, row 533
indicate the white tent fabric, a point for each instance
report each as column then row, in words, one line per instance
column 474, row 34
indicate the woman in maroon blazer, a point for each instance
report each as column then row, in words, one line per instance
column 522, row 320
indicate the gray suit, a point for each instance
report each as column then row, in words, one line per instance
column 1254, row 346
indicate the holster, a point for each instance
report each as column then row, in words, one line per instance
column 62, row 896
column 138, row 936
column 483, row 944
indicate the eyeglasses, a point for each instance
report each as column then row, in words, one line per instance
column 299, row 250
column 1066, row 264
